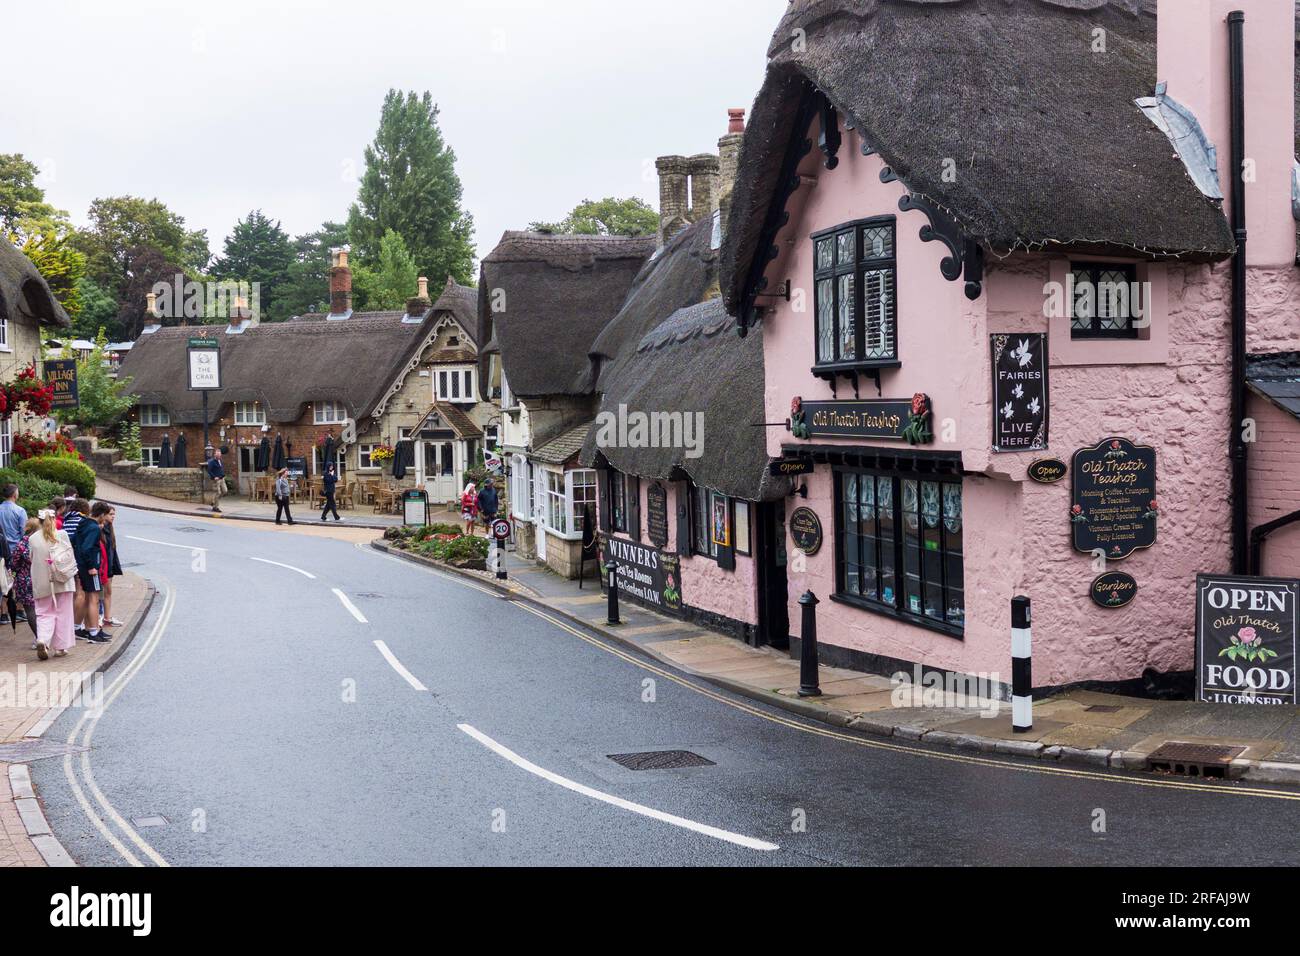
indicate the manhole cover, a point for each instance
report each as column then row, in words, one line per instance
column 1102, row 709
column 35, row 748
column 660, row 760
column 1193, row 760
column 192, row 530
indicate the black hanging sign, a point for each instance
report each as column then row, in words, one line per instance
column 1246, row 633
column 782, row 467
column 1019, row 391
column 1113, row 589
column 1047, row 471
column 1113, row 505
column 61, row 375
column 646, row 574
column 806, row 530
column 656, row 511
column 880, row 418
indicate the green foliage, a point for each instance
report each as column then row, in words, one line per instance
column 410, row 186
column 391, row 282
column 98, row 311
column 122, row 228
column 63, row 472
column 258, row 250
column 606, row 217
column 101, row 397
column 407, row 534
column 61, row 265
column 34, row 492
column 128, row 440
column 20, row 197
column 306, row 288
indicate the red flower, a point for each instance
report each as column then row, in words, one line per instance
column 796, row 404
column 1077, row 510
column 1154, row 506
column 1115, row 445
column 920, row 403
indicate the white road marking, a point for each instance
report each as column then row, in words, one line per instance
column 352, row 608
column 555, row 778
column 165, row 544
column 305, row 574
column 397, row 666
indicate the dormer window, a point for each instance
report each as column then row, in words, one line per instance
column 854, row 297
column 249, row 413
column 154, row 416
column 1105, row 301
column 329, row 413
column 455, row 384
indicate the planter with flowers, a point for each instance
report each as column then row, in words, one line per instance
column 26, row 393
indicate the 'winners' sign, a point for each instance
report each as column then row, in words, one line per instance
column 1246, row 640
column 647, row 574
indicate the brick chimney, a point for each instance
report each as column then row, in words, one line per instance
column 688, row 191
column 729, row 161
column 340, row 283
column 422, row 288
column 419, row 304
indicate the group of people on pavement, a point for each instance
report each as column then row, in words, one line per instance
column 478, row 503
column 329, row 485
column 59, row 569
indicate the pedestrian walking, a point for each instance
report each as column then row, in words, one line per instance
column 86, row 546
column 217, row 473
column 53, row 581
column 13, row 518
column 469, row 507
column 488, row 503
column 282, row 490
column 328, row 483
column 112, row 568
column 20, row 563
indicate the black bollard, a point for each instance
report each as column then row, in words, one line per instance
column 611, row 568
column 808, row 681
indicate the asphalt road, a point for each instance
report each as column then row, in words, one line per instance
column 256, row 714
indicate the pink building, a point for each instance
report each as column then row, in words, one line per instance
column 974, row 237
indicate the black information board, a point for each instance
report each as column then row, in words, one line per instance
column 1246, row 640
column 1113, row 505
column 1019, row 391
column 656, row 513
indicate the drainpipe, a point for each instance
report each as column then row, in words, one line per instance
column 1236, row 440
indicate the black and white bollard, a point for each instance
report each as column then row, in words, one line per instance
column 809, row 684
column 1022, row 696
column 612, row 570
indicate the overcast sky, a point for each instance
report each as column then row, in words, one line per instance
column 221, row 107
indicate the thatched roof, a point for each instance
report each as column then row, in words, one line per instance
column 24, row 293
column 683, row 273
column 282, row 365
column 556, row 293
column 1051, row 150
column 462, row 302
column 694, row 362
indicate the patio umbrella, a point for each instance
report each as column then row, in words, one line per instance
column 277, row 456
column 165, row 456
column 263, row 457
column 327, row 452
column 403, row 458
column 178, row 456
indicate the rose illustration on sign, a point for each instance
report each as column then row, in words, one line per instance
column 671, row 594
column 918, row 431
column 1153, row 510
column 1077, row 516
column 1116, row 452
column 1248, row 646
column 798, row 421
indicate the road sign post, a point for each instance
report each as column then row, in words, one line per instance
column 500, row 532
column 205, row 376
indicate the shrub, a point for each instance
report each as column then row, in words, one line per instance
column 34, row 492
column 64, row 471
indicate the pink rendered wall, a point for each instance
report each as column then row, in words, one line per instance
column 1173, row 396
column 1192, row 57
column 1275, row 483
column 706, row 586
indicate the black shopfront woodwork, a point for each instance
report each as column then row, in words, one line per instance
column 855, row 297
column 899, row 545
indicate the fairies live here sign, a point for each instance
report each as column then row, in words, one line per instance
column 1019, row 391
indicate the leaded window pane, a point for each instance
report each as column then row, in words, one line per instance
column 844, row 303
column 825, row 320
column 844, row 248
column 877, row 242
column 825, row 253
column 878, row 312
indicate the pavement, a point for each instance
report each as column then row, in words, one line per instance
column 233, row 506
column 1075, row 727
column 33, row 694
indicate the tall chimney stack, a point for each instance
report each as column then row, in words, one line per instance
column 729, row 161
column 674, row 209
column 423, row 290
column 151, row 305
column 340, row 283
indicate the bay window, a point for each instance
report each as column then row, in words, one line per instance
column 455, row 385
column 565, row 496
column 854, row 297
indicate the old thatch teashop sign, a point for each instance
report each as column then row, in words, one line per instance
column 644, row 573
column 1246, row 640
column 886, row 418
column 1113, row 506
column 1019, row 391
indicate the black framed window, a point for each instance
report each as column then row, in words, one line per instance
column 701, row 515
column 854, row 298
column 1103, row 300
column 618, row 500
column 900, row 544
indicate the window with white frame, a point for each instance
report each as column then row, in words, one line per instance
column 4, row 335
column 154, row 415
column 329, row 413
column 556, row 505
column 567, row 495
column 364, row 461
column 340, row 461
column 583, row 483
column 249, row 413
column 520, row 493
column 6, row 442
column 151, row 457
column 454, row 384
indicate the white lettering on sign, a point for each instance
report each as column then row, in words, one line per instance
column 1247, row 599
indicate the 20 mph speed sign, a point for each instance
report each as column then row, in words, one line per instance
column 500, row 529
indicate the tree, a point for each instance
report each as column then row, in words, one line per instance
column 43, row 233
column 391, row 282
column 258, row 251
column 20, row 197
column 61, row 265
column 606, row 217
column 307, row 288
column 122, row 227
column 98, row 311
column 101, row 398
column 410, row 186
column 148, row 267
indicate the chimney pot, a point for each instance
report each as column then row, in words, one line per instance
column 735, row 121
column 423, row 292
column 151, row 304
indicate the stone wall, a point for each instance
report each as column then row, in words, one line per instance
column 175, row 484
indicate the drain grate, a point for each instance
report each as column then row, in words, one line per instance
column 1102, row 709
column 1193, row 760
column 660, row 760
